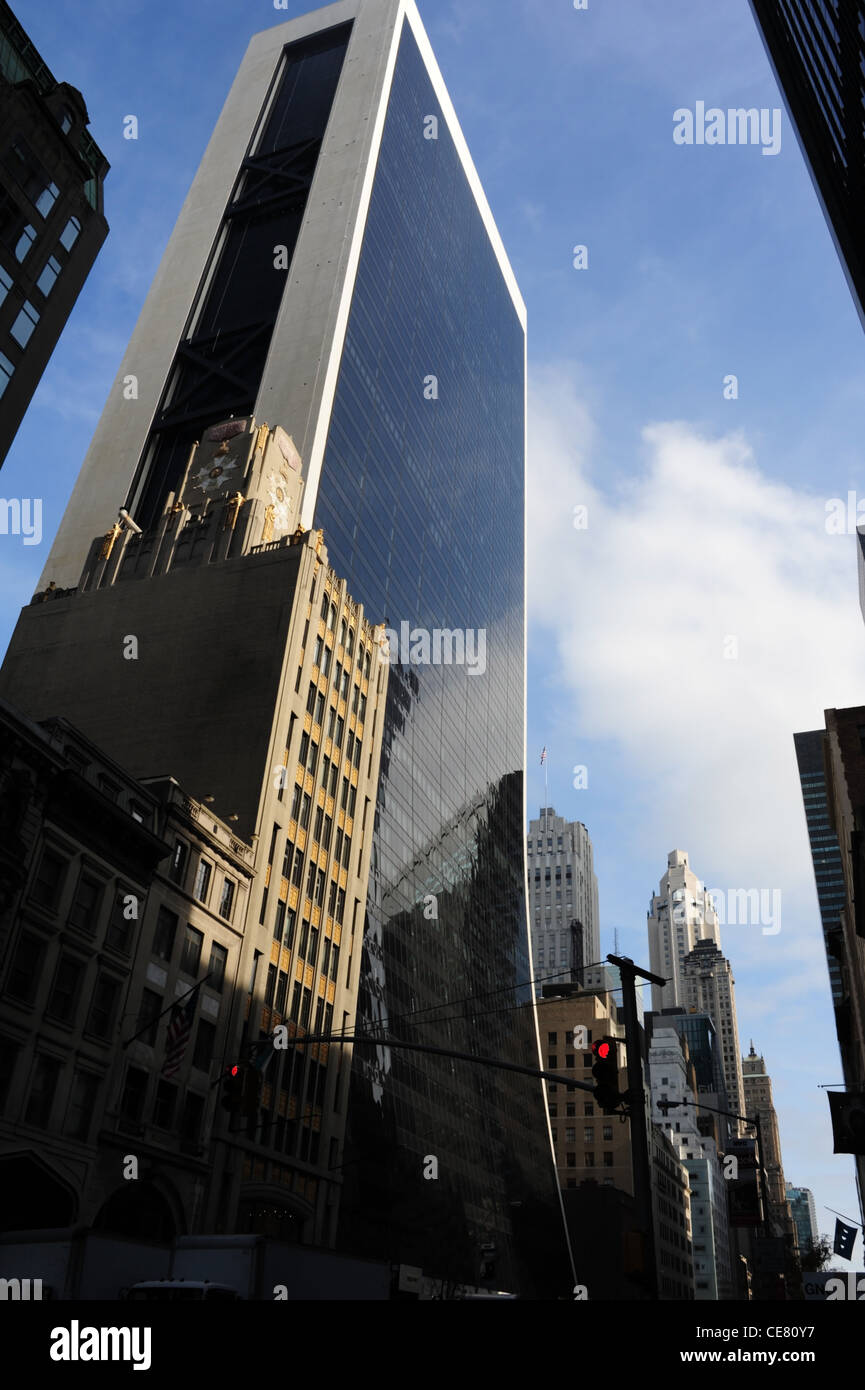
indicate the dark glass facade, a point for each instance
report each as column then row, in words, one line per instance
column 817, row 49
column 218, row 366
column 421, row 503
column 828, row 870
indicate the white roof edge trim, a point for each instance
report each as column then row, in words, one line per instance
column 410, row 10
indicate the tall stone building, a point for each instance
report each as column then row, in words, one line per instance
column 593, row 1151
column 563, row 899
column 708, row 987
column 673, row 1218
column 758, row 1100
column 51, row 215
column 260, row 900
column 681, row 914
column 588, row 1144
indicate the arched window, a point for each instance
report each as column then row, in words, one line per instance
column 325, row 603
column 331, row 618
column 366, row 666
column 343, row 629
column 349, row 649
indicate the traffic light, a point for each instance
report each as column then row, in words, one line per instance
column 605, row 1070
column 233, row 1087
column 252, row 1081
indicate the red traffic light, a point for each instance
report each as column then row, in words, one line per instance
column 606, row 1074
column 233, row 1087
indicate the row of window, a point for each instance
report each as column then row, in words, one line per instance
column 570, row 1061
column 67, row 987
column 316, row 700
column 81, row 1096
column 86, row 904
column 588, row 1134
column 346, row 633
column 309, row 749
column 588, row 1159
column 164, row 1112
column 85, row 908
column 322, row 657
column 165, row 936
column 203, row 879
column 276, row 996
column 571, row 1109
column 301, row 805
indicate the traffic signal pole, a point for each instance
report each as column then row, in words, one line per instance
column 636, row 1097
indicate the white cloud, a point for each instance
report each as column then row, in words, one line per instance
column 697, row 546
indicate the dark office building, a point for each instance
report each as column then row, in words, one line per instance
column 51, row 219
column 845, row 798
column 389, row 338
column 817, row 51
column 828, row 870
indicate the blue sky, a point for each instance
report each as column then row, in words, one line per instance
column 706, row 516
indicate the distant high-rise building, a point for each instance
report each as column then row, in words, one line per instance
column 675, row 1102
column 672, row 1215
column 563, row 899
column 593, row 1149
column 825, row 854
column 681, row 914
column 708, row 987
column 759, row 1103
column 804, row 1212
column 589, row 1145
column 704, row 1053
column 337, row 213
column 817, row 51
column 51, row 219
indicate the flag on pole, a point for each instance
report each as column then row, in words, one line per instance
column 845, row 1239
column 847, row 1109
column 544, row 755
column 179, row 1032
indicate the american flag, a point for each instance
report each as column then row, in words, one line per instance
column 544, row 755
column 179, row 1031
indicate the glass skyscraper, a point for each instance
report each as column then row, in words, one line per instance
column 817, row 49
column 421, row 501
column 336, row 269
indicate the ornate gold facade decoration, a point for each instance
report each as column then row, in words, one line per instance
column 232, row 510
column 267, row 529
column 109, row 539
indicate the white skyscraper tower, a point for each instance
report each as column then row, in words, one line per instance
column 682, row 913
column 563, row 897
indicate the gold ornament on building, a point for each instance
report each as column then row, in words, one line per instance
column 109, row 539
